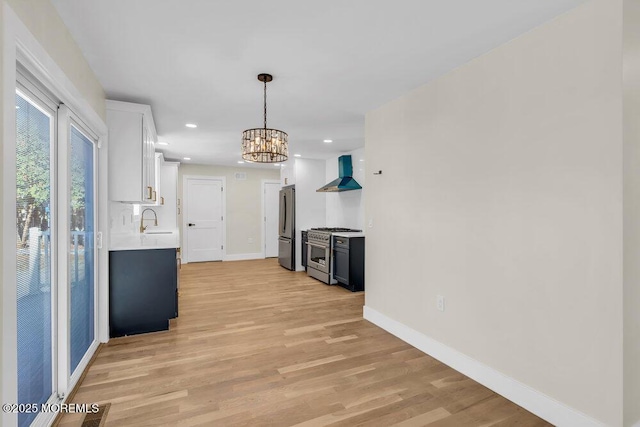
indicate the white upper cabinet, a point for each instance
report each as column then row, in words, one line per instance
column 132, row 159
column 157, row 171
column 153, row 179
column 168, row 213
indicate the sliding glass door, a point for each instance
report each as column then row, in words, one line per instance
column 82, row 259
column 56, row 278
column 35, row 144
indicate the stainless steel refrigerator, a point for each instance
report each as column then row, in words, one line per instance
column 287, row 228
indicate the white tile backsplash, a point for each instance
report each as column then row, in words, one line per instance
column 346, row 209
column 121, row 218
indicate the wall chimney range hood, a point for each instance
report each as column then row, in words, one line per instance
column 345, row 181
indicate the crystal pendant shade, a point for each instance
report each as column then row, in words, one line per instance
column 265, row 145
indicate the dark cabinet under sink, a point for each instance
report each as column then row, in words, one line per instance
column 142, row 291
column 348, row 262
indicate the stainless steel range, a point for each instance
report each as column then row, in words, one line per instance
column 319, row 263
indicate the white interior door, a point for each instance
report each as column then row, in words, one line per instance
column 271, row 191
column 204, row 219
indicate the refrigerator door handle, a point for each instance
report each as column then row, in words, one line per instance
column 284, row 223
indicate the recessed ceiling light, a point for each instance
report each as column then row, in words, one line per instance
column 297, row 155
column 328, row 141
column 163, row 143
column 276, row 164
column 362, row 160
column 191, row 125
column 187, row 158
column 240, row 162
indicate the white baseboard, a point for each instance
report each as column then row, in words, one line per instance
column 243, row 257
column 534, row 401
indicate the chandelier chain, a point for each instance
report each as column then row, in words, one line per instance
column 265, row 104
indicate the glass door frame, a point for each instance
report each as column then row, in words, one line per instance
column 46, row 103
column 21, row 48
column 63, row 119
column 67, row 379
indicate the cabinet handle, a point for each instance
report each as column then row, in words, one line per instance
column 161, row 200
column 150, row 190
column 154, row 195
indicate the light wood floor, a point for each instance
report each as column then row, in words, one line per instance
column 258, row 345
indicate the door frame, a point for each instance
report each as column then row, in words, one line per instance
column 20, row 45
column 264, row 213
column 185, row 207
column 68, row 378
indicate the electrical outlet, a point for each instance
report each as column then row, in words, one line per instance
column 440, row 303
column 250, row 240
column 371, row 223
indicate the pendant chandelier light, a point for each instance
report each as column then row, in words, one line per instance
column 264, row 145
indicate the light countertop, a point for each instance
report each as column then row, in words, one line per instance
column 169, row 239
column 349, row 234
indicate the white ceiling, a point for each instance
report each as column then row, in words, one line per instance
column 196, row 61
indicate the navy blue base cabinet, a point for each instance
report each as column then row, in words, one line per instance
column 142, row 291
column 348, row 262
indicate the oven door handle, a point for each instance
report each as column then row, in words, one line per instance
column 317, row 246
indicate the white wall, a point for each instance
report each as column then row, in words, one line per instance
column 243, row 198
column 346, row 208
column 632, row 212
column 43, row 21
column 504, row 195
column 311, row 206
column 2, row 233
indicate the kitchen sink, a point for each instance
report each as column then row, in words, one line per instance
column 158, row 232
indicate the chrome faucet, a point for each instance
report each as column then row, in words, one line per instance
column 142, row 226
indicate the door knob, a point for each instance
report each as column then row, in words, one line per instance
column 191, row 224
